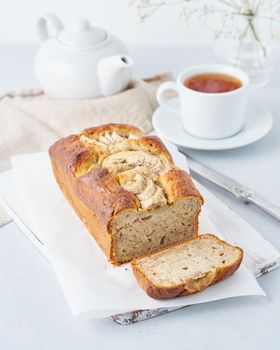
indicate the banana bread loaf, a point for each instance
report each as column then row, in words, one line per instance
column 126, row 189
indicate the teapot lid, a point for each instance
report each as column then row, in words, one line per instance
column 82, row 34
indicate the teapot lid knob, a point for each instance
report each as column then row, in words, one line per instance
column 81, row 24
column 81, row 34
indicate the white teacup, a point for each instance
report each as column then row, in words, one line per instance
column 209, row 115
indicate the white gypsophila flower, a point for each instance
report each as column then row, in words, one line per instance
column 223, row 18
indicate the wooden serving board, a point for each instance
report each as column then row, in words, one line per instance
column 260, row 256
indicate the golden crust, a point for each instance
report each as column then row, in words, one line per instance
column 122, row 129
column 178, row 184
column 193, row 286
column 94, row 226
column 80, row 163
column 102, row 193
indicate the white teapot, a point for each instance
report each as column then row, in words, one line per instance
column 81, row 61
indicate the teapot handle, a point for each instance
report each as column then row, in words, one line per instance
column 42, row 25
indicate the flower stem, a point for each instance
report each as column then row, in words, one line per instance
column 255, row 35
column 243, row 35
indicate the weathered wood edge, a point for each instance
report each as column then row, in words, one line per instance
column 128, row 318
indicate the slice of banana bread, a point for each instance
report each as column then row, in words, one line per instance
column 187, row 268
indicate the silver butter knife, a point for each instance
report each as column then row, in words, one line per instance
column 243, row 193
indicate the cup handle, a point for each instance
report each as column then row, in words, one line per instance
column 168, row 85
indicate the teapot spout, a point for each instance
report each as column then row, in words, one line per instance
column 126, row 61
column 114, row 74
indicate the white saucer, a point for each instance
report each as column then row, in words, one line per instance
column 168, row 125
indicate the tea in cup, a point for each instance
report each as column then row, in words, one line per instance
column 213, row 100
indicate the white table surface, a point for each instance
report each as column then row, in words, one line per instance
column 34, row 314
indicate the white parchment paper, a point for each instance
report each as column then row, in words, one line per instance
column 92, row 287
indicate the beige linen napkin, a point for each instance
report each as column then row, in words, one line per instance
column 31, row 124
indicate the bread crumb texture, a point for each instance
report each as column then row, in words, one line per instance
column 192, row 265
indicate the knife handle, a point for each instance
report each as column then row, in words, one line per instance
column 266, row 206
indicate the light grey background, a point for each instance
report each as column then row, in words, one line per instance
column 18, row 21
column 34, row 314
